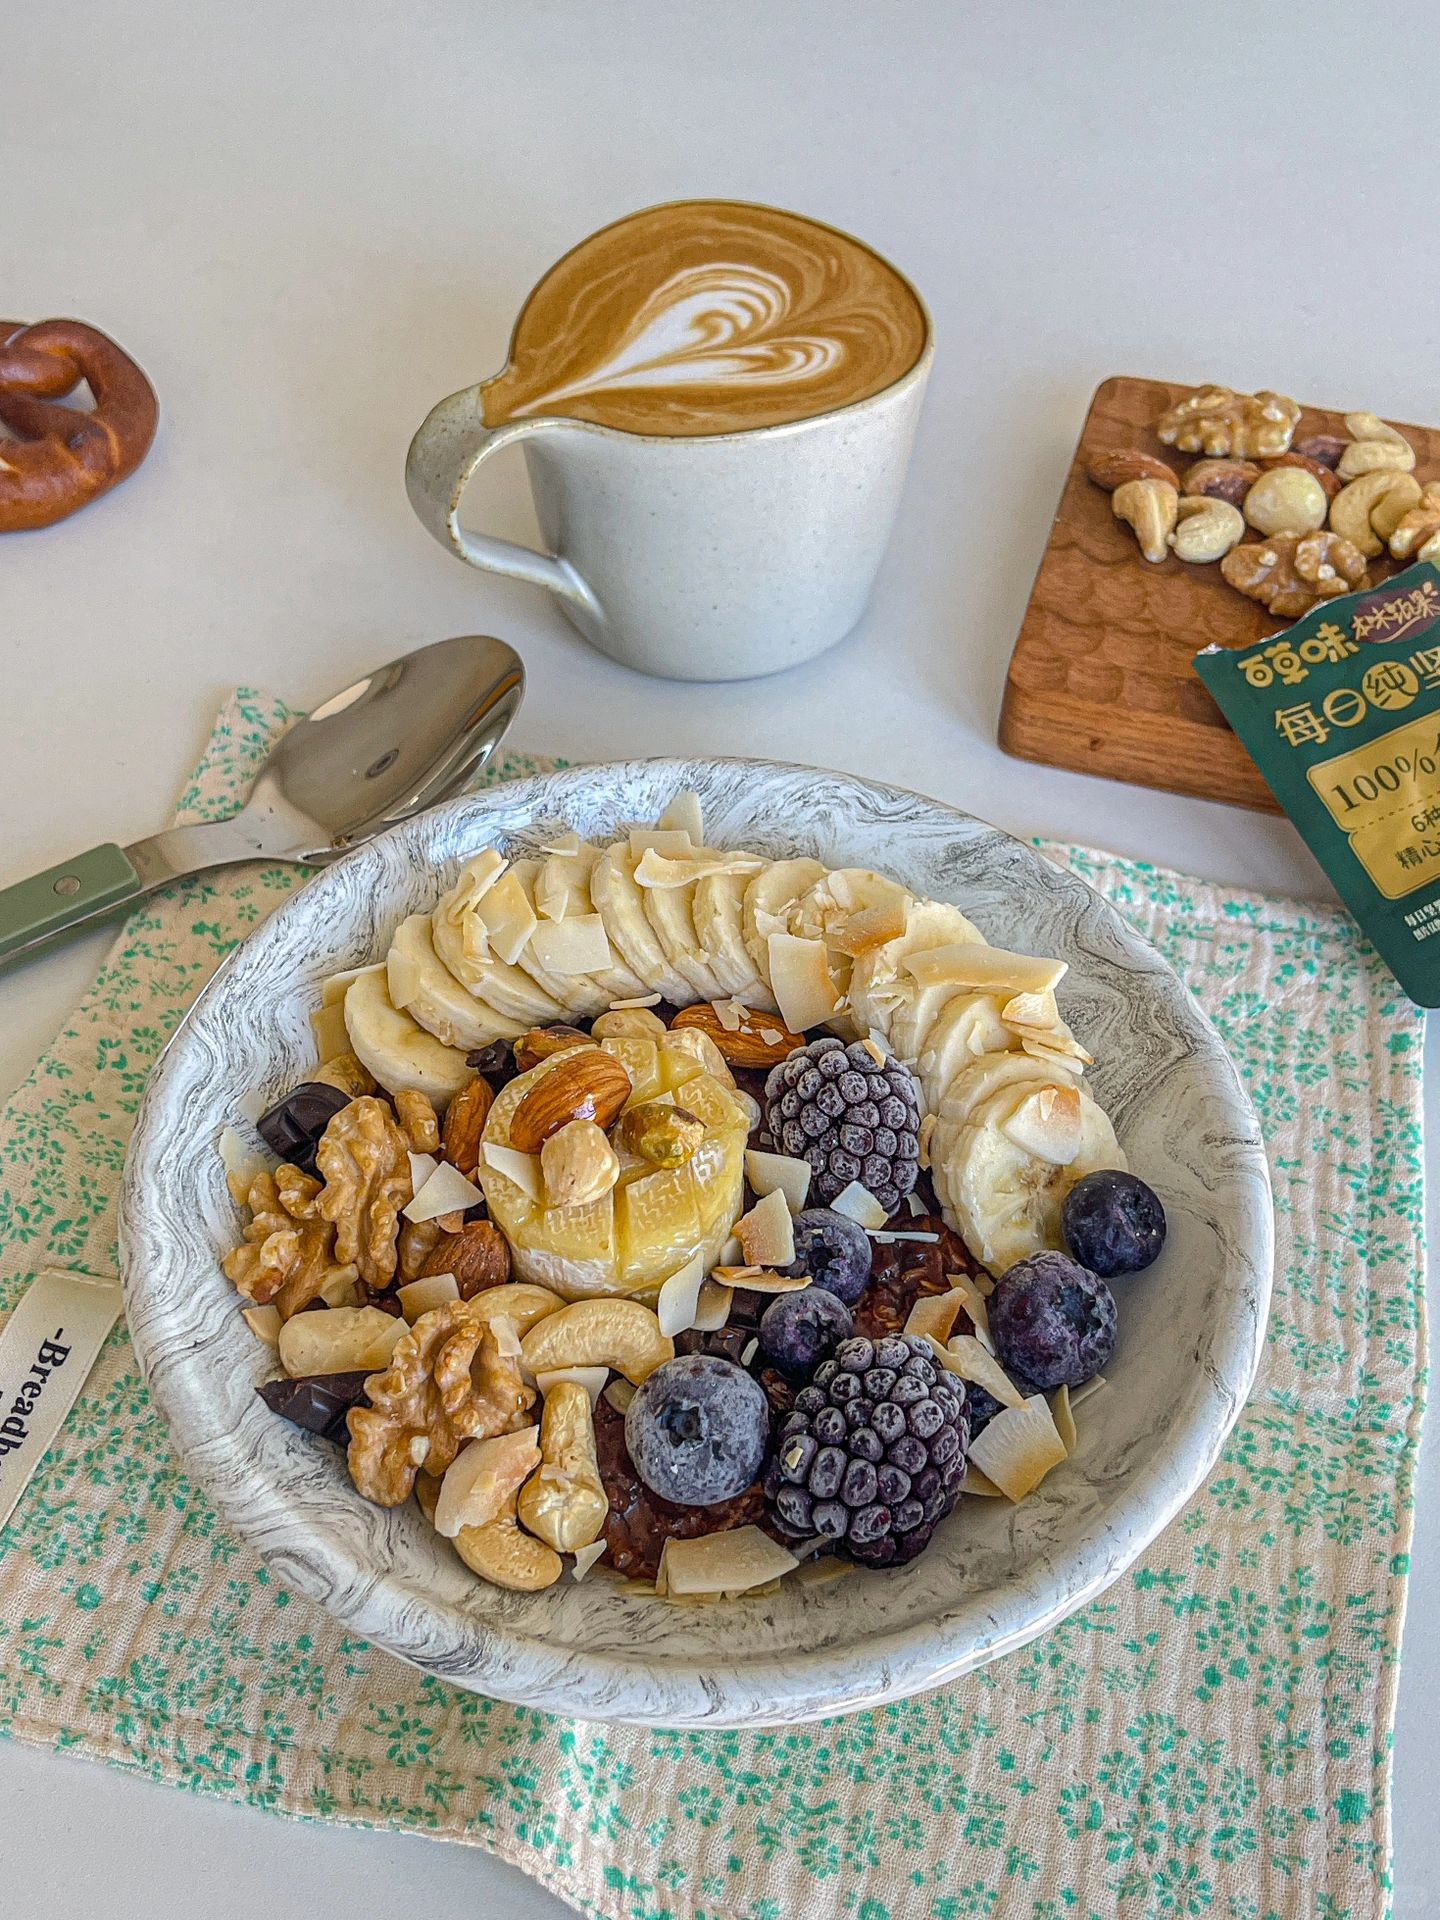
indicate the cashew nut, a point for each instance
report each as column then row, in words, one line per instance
column 1417, row 534
column 521, row 1304
column 1207, row 529
column 599, row 1333
column 507, row 1557
column 564, row 1501
column 1374, row 446
column 1149, row 506
column 1286, row 500
column 1368, row 511
column 628, row 1023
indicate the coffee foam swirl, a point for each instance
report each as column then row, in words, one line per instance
column 708, row 317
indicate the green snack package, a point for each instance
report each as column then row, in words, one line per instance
column 1341, row 713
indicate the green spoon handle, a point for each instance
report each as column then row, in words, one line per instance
column 33, row 912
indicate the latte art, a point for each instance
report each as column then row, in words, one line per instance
column 708, row 317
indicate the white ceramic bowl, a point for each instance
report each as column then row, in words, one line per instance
column 995, row 1575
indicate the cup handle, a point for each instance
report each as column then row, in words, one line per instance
column 444, row 454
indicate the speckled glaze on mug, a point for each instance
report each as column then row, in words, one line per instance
column 995, row 1575
column 695, row 555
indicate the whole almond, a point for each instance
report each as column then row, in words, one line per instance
column 478, row 1256
column 1221, row 479
column 1324, row 447
column 590, row 1085
column 540, row 1042
column 464, row 1124
column 761, row 1040
column 1112, row 467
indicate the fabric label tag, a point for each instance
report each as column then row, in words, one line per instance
column 47, row 1347
column 1341, row 713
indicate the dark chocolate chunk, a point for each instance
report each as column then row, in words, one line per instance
column 317, row 1402
column 293, row 1126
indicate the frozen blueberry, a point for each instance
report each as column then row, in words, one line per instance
column 1052, row 1320
column 798, row 1330
column 834, row 1251
column 696, row 1430
column 293, row 1126
column 1113, row 1223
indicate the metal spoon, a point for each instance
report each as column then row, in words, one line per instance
column 393, row 744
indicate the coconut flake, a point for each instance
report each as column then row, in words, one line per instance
column 332, row 1036
column 475, row 1486
column 679, row 1297
column 885, row 1238
column 640, row 1000
column 1046, row 1122
column 507, row 1336
column 1088, row 1390
column 523, row 1169
column 655, row 870
column 620, row 1393
column 564, row 844
column 684, row 815
column 241, row 1162
column 981, row 968
column 934, row 1314
column 446, row 1190
column 777, row 1172
column 713, row 1308
column 730, row 1014
column 424, row 1295
column 915, row 1206
column 591, row 1378
column 973, row 1362
column 730, row 1255
column 578, row 944
column 975, row 1306
column 585, row 1558
column 730, row 1562
column 251, row 1105
column 1019, row 1447
column 820, row 1573
column 422, row 1165
column 748, row 1352
column 265, row 1323
column 977, row 1482
column 507, row 916
column 857, row 1203
column 800, row 980
column 766, row 1233
column 1063, row 1414
column 760, row 1279
column 673, row 843
column 334, row 988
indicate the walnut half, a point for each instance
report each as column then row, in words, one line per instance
column 1218, row 421
column 1293, row 572
column 366, row 1165
column 447, row 1382
column 288, row 1253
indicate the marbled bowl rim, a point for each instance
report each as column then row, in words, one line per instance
column 766, row 1689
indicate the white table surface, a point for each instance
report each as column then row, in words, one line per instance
column 311, row 221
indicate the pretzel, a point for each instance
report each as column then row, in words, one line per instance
column 64, row 458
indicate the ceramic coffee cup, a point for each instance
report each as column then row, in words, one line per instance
column 717, row 403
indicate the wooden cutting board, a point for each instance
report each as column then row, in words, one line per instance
column 1101, row 680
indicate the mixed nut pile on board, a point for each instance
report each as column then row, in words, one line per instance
column 689, row 1211
column 1324, row 506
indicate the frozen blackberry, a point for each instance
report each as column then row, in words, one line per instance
column 874, row 1453
column 851, row 1116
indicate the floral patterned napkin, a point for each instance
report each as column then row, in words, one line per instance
column 1211, row 1737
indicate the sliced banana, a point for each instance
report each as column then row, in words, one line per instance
column 421, row 985
column 507, row 990
column 967, row 1025
column 671, row 915
column 1005, row 1195
column 879, row 984
column 973, row 1084
column 577, row 993
column 620, row 903
column 562, row 888
column 718, row 909
column 396, row 1049
column 772, row 904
